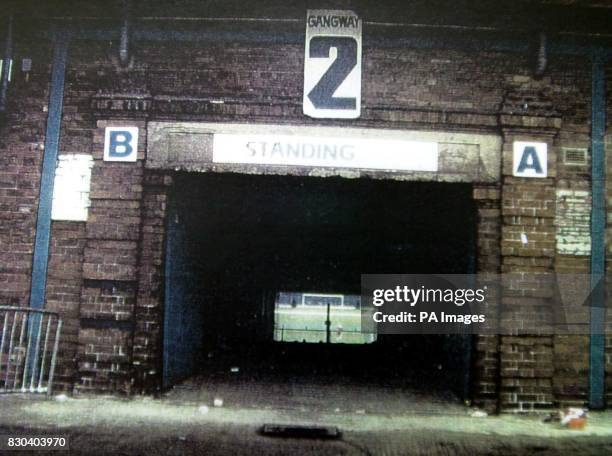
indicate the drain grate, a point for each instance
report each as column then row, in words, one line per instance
column 301, row 431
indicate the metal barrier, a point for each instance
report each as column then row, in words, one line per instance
column 28, row 349
column 334, row 336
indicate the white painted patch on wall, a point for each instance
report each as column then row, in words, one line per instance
column 573, row 220
column 71, row 188
column 10, row 68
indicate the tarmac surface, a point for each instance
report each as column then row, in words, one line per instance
column 186, row 422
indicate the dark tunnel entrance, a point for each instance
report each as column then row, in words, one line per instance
column 239, row 247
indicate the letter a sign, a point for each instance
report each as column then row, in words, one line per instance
column 121, row 144
column 332, row 65
column 530, row 159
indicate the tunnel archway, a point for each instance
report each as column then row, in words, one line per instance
column 235, row 241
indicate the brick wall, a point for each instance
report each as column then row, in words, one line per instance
column 527, row 246
column 106, row 275
column 22, row 136
column 64, row 284
column 148, row 315
column 110, row 271
column 608, row 148
column 570, row 383
column 104, row 359
column 486, row 367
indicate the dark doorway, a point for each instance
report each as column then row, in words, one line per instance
column 236, row 241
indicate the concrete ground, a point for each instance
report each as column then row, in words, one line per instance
column 171, row 427
column 304, row 394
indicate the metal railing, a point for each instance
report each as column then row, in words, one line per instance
column 284, row 334
column 29, row 341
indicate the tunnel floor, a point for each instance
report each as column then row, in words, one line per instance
column 315, row 394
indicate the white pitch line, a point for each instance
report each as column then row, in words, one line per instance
column 309, row 312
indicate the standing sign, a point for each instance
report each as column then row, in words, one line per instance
column 530, row 159
column 326, row 151
column 332, row 65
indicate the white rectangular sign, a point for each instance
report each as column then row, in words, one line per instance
column 121, row 144
column 335, row 152
column 332, row 65
column 530, row 159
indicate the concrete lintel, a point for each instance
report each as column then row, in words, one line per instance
column 187, row 146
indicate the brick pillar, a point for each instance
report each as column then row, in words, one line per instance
column 110, row 269
column 148, row 331
column 528, row 251
column 485, row 372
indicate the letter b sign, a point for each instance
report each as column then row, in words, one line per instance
column 121, row 144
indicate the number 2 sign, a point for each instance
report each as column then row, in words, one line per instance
column 332, row 65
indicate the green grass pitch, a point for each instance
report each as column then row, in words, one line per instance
column 307, row 324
